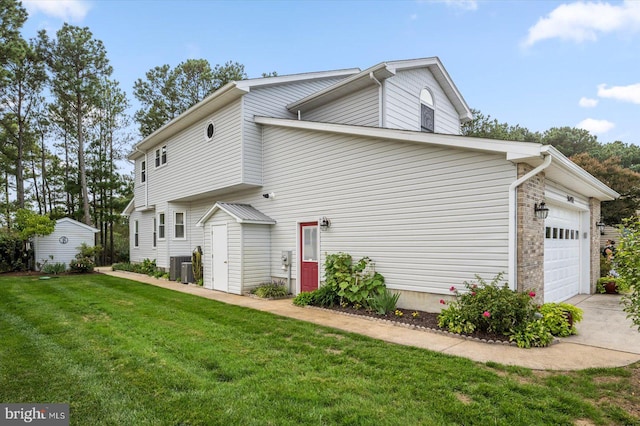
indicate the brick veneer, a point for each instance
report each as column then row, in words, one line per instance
column 594, row 217
column 530, row 230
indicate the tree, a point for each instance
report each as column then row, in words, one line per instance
column 484, row 127
column 20, row 98
column 570, row 140
column 12, row 18
column 627, row 261
column 624, row 181
column 77, row 63
column 28, row 224
column 629, row 154
column 167, row 93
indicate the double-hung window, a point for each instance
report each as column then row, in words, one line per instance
column 136, row 234
column 178, row 223
column 161, row 156
column 161, row 227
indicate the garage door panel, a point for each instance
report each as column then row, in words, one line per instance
column 561, row 254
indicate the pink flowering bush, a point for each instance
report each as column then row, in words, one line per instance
column 489, row 307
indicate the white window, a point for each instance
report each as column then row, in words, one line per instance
column 143, row 171
column 161, row 226
column 427, row 111
column 136, row 236
column 178, row 225
column 161, row 156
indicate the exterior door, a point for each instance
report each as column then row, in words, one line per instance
column 561, row 254
column 220, row 260
column 308, row 256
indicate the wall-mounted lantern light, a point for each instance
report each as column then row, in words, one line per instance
column 600, row 224
column 324, row 223
column 541, row 210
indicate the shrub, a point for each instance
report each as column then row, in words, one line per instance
column 325, row 296
column 555, row 317
column 54, row 268
column 13, row 257
column 627, row 264
column 196, row 265
column 354, row 283
column 81, row 265
column 271, row 290
column 303, row 298
column 488, row 307
column 531, row 334
column 383, row 302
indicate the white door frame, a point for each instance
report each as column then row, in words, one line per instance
column 219, row 257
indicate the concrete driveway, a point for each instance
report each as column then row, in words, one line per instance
column 605, row 324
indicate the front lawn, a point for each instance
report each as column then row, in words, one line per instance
column 125, row 353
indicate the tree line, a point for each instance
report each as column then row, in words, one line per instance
column 617, row 164
column 64, row 124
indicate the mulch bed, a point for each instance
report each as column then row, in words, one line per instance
column 424, row 320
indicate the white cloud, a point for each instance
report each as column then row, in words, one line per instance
column 585, row 21
column 463, row 4
column 413, row 17
column 596, row 126
column 72, row 10
column 587, row 102
column 630, row 93
column 458, row 4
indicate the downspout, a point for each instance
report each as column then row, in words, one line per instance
column 380, row 104
column 513, row 219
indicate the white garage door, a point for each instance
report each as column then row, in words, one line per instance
column 561, row 254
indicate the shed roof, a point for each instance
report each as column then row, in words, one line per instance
column 242, row 213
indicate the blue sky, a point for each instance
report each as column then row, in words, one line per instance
column 540, row 64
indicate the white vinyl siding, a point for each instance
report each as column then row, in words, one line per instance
column 51, row 250
column 256, row 255
column 145, row 249
column 197, row 166
column 249, row 252
column 360, row 109
column 402, row 102
column 271, row 102
column 429, row 217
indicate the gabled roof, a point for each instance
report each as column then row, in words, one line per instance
column 561, row 170
column 221, row 97
column 381, row 72
column 242, row 213
column 78, row 224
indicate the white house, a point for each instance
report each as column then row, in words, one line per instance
column 62, row 245
column 251, row 172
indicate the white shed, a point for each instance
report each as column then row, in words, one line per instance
column 62, row 245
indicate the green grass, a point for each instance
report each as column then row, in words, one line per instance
column 124, row 353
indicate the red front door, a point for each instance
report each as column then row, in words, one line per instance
column 308, row 256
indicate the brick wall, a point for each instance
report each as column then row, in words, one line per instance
column 530, row 230
column 594, row 217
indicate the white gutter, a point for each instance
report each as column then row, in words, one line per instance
column 380, row 103
column 513, row 220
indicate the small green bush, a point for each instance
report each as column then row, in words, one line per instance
column 353, row 282
column 304, row 298
column 54, row 268
column 82, row 265
column 271, row 290
column 383, row 302
column 555, row 317
column 325, row 296
column 627, row 264
column 531, row 334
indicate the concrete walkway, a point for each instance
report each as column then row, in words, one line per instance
column 605, row 337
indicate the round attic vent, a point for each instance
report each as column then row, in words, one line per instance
column 209, row 131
